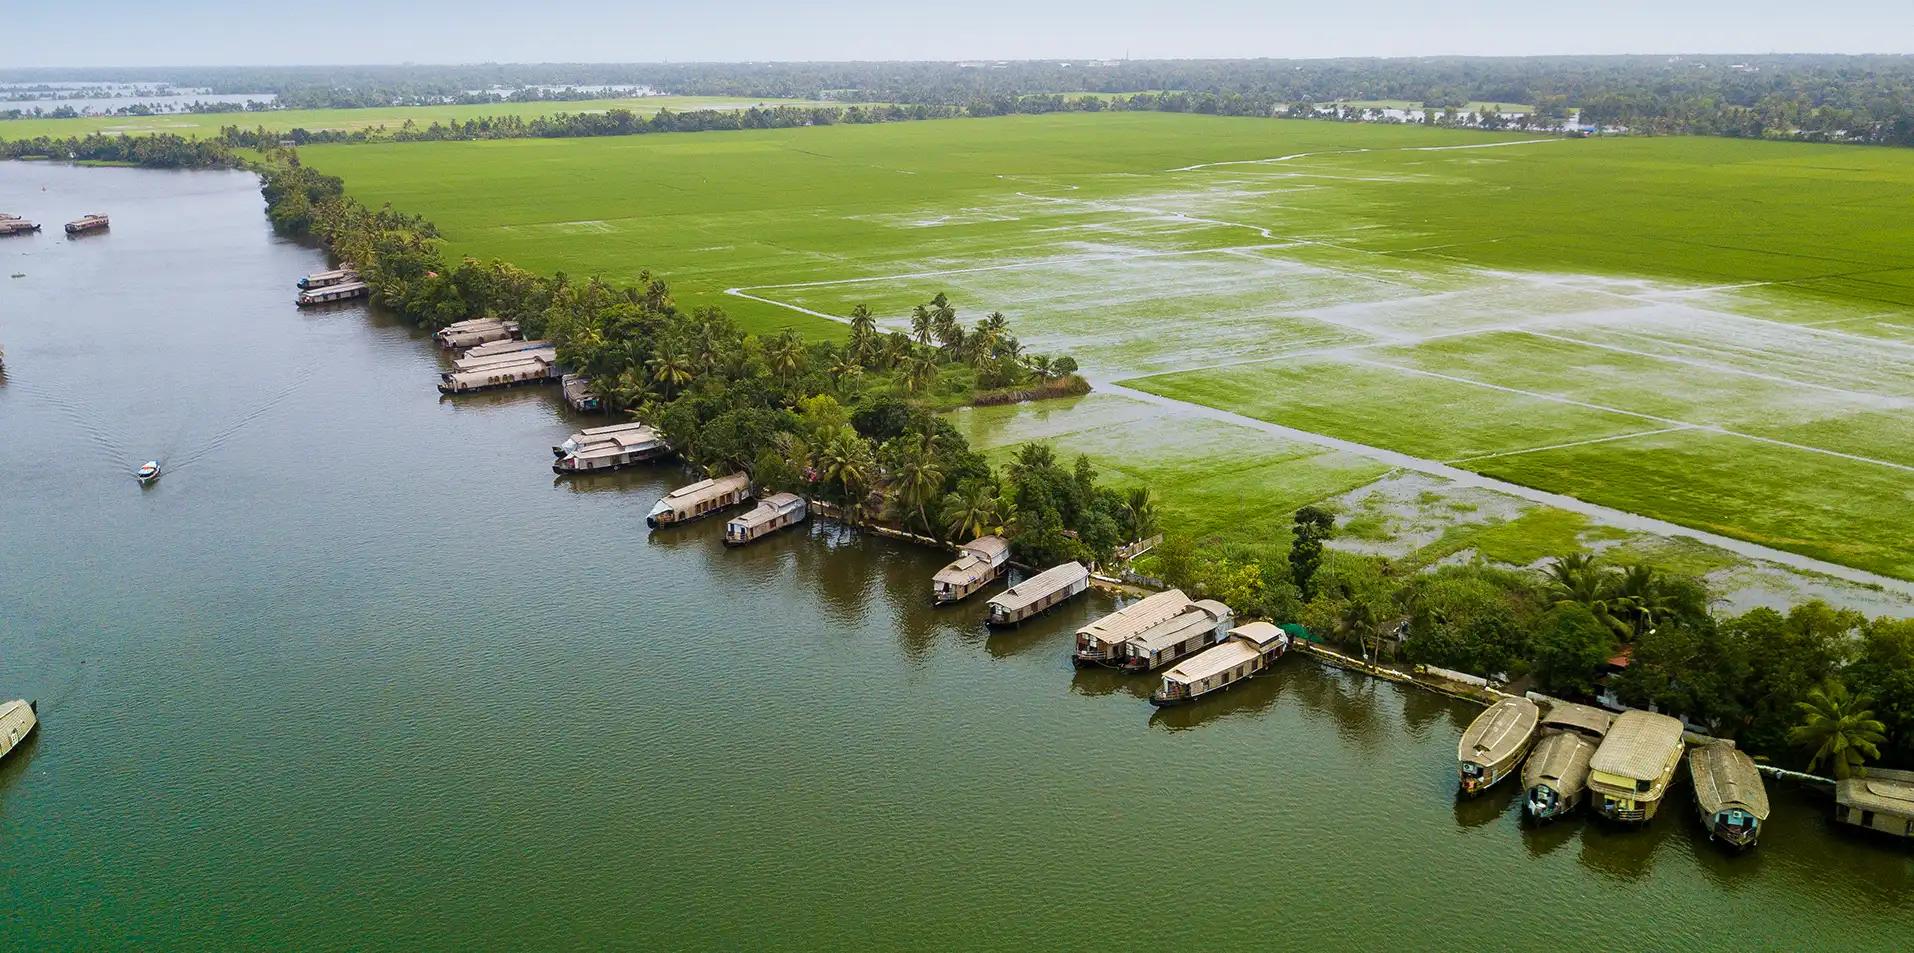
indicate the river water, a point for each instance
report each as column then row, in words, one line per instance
column 359, row 673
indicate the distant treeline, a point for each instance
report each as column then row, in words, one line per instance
column 166, row 151
column 1846, row 98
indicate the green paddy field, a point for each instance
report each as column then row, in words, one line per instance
column 1712, row 332
column 351, row 120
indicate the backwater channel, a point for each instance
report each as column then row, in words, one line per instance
column 359, row 673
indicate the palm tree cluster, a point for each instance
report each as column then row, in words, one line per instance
column 1630, row 600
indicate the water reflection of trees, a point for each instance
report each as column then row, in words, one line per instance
column 1351, row 701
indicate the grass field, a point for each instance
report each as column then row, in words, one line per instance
column 1714, row 332
column 349, row 120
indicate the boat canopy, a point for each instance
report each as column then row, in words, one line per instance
column 1499, row 732
column 1638, row 746
column 1024, row 594
column 1726, row 778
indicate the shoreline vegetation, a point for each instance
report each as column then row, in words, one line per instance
column 855, row 426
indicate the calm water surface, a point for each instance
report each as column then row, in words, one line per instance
column 358, row 673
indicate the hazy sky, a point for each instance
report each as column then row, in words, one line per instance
column 200, row 32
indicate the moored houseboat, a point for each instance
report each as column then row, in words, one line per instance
column 1632, row 767
column 1034, row 595
column 547, row 353
column 340, row 292
column 15, row 225
column 978, row 563
column 577, row 392
column 507, row 346
column 1555, row 776
column 473, row 332
column 91, row 222
column 702, row 498
column 1494, row 743
column 18, row 718
column 608, row 448
column 1201, row 624
column 1247, row 651
column 1101, row 642
column 1881, row 800
column 536, row 370
column 321, row 279
column 773, row 513
column 1729, row 794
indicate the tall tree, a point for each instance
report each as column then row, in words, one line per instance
column 1313, row 525
column 1839, row 728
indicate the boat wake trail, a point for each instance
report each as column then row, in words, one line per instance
column 219, row 439
column 110, row 443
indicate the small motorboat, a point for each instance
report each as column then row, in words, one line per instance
column 148, row 471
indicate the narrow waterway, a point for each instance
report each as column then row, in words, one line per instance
column 359, row 673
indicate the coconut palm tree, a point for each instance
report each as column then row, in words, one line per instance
column 1641, row 600
column 919, row 476
column 1140, row 509
column 920, row 324
column 972, row 515
column 920, row 374
column 897, row 347
column 846, row 461
column 1577, row 579
column 1840, row 728
column 786, row 353
column 863, row 332
column 672, row 367
column 845, row 368
column 1039, row 365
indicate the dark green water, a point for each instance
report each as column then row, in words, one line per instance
column 357, row 673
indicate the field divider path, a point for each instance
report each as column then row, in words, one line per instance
column 1572, row 443
column 1672, row 422
column 1469, row 478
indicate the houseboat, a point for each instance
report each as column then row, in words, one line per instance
column 1555, row 777
column 1101, row 642
column 507, row 346
column 1187, row 629
column 473, row 332
column 772, row 513
column 548, row 354
column 608, row 448
column 15, row 225
column 1632, row 767
column 1495, row 742
column 977, row 564
column 1040, row 592
column 87, row 223
column 702, row 498
column 340, row 292
column 535, row 370
column 18, row 718
column 1881, row 800
column 1248, row 651
column 576, row 389
column 1729, row 793
column 322, row 279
